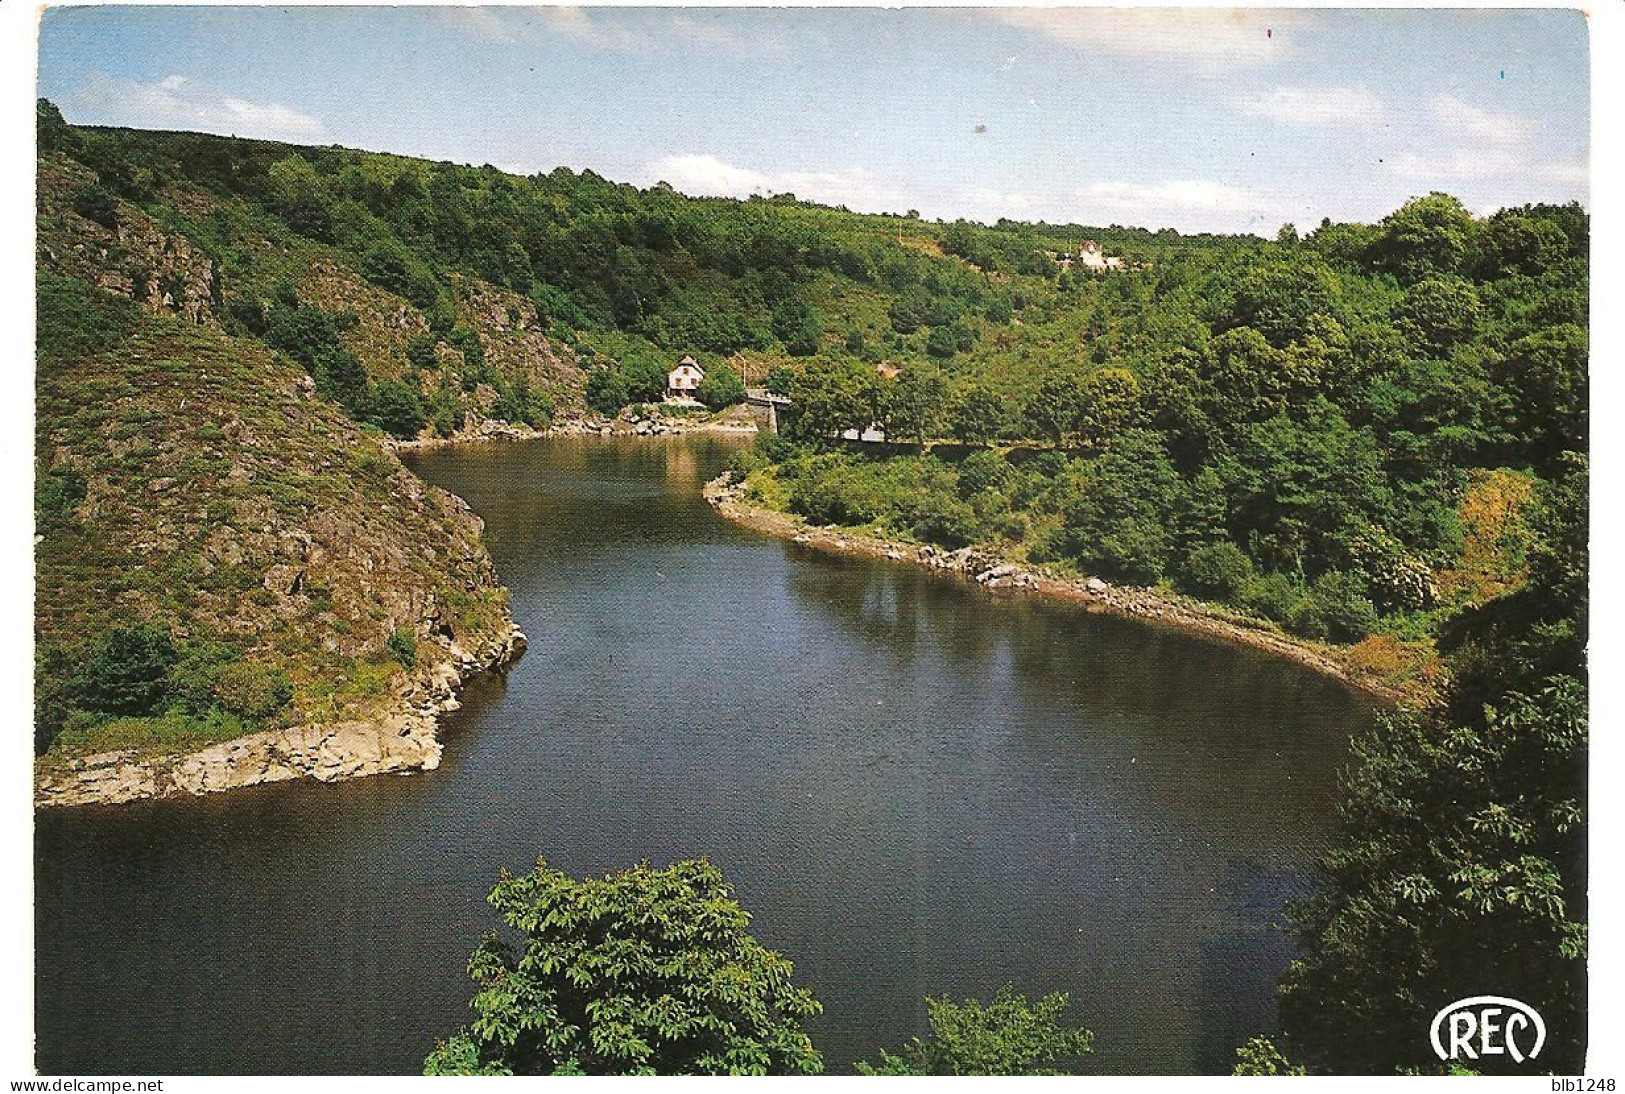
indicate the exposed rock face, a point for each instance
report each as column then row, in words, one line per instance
column 401, row 741
column 134, row 257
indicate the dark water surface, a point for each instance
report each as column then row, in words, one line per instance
column 915, row 788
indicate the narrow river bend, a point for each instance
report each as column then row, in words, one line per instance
column 915, row 789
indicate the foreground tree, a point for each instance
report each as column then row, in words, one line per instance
column 1461, row 869
column 647, row 971
column 1012, row 1035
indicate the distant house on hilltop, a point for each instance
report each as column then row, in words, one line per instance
column 685, row 378
column 1091, row 257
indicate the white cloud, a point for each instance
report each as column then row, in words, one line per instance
column 1189, row 204
column 484, row 23
column 703, row 174
column 1340, row 106
column 179, row 102
column 1202, row 36
column 1471, row 123
column 1180, row 194
column 706, row 175
column 1486, row 146
column 643, row 31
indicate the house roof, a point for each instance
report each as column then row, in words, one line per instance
column 691, row 363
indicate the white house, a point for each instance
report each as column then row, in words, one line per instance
column 683, row 379
column 1091, row 256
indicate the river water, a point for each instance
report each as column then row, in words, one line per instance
column 915, row 787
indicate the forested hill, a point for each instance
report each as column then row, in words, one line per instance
column 459, row 291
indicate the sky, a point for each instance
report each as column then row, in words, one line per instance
column 1195, row 119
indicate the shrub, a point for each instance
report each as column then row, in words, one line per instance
column 390, row 265
column 1260, row 1057
column 1133, row 549
column 196, row 671
column 403, row 646
column 606, row 391
column 1011, row 1035
column 1336, row 608
column 420, row 352
column 95, row 204
column 1219, row 570
column 942, row 519
column 1272, row 596
column 836, row 498
column 396, row 409
column 985, row 470
column 252, row 691
column 720, row 388
column 75, row 320
column 520, row 405
column 57, row 491
column 127, row 670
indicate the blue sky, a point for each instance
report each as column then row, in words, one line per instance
column 1198, row 119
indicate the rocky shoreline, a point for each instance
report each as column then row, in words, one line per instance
column 624, row 425
column 995, row 574
column 402, row 739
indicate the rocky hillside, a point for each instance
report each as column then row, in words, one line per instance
column 417, row 355
column 222, row 553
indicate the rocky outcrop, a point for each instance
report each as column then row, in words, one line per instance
column 404, row 740
column 130, row 255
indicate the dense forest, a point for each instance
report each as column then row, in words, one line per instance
column 1363, row 434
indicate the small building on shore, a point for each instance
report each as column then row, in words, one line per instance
column 685, row 378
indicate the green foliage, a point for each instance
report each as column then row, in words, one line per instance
column 54, row 134
column 831, row 396
column 94, row 203
column 721, row 387
column 420, row 352
column 126, row 671
column 1336, row 607
column 647, row 971
column 1427, row 236
column 1259, row 1056
column 1462, row 853
column 73, row 320
column 1011, row 1035
column 1109, row 402
column 403, row 646
column 606, row 391
column 390, row 265
column 251, row 690
column 396, row 409
column 57, row 491
column 310, row 336
column 516, row 403
column 915, row 403
column 978, row 414
column 1114, row 512
column 1218, row 571
column 1053, row 410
